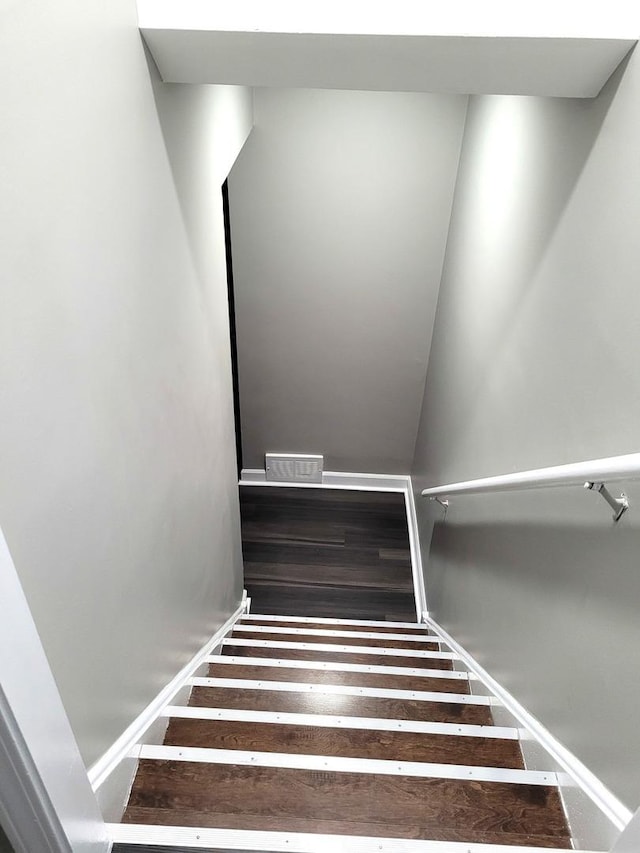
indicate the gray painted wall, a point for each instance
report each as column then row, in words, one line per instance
column 46, row 801
column 340, row 205
column 534, row 363
column 118, row 492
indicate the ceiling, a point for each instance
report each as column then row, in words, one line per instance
column 461, row 48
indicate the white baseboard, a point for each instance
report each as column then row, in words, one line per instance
column 596, row 816
column 112, row 774
column 419, row 587
column 398, row 483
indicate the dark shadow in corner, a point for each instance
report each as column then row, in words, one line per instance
column 232, row 324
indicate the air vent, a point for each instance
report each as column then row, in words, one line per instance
column 294, row 467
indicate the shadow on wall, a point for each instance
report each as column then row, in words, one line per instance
column 203, row 128
column 184, row 136
column 5, row 846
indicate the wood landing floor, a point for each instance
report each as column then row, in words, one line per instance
column 327, row 553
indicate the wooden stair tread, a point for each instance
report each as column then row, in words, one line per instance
column 431, row 645
column 217, row 820
column 337, row 626
column 348, row 706
column 378, row 804
column 318, row 554
column 335, row 677
column 337, row 656
column 181, row 793
column 348, row 743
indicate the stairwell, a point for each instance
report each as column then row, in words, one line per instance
column 307, row 734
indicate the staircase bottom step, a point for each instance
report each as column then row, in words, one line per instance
column 140, row 838
column 261, row 794
column 300, row 828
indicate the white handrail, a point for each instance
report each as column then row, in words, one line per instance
column 591, row 474
column 575, row 474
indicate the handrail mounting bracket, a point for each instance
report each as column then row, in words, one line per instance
column 444, row 503
column 618, row 505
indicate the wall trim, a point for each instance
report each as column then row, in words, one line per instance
column 363, row 482
column 419, row 587
column 611, row 807
column 132, row 735
column 28, row 816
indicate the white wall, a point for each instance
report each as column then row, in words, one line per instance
column 117, row 495
column 46, row 801
column 340, row 206
column 534, row 363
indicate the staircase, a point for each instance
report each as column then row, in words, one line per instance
column 311, row 734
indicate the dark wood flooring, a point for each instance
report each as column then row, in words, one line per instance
column 378, row 629
column 327, row 553
column 340, row 554
column 334, row 677
column 378, row 642
column 304, row 702
column 338, row 657
column 228, row 796
column 347, row 743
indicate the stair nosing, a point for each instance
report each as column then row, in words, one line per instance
column 337, row 648
column 328, row 632
column 269, row 841
column 327, row 621
column 386, row 724
column 344, row 690
column 329, row 763
column 338, row 666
